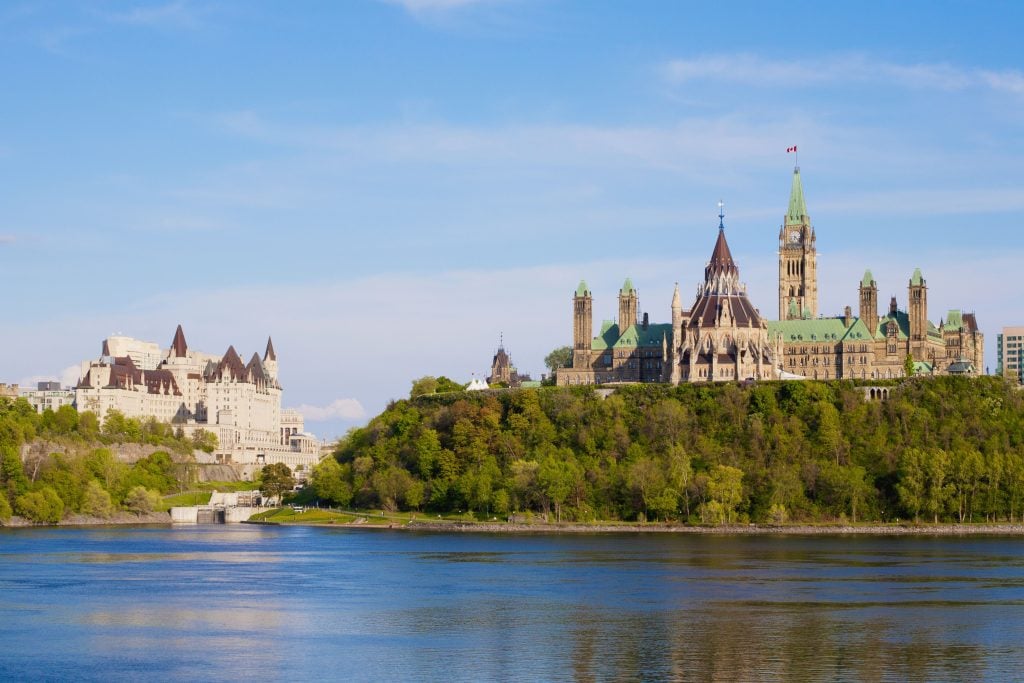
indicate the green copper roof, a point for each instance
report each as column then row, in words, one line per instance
column 868, row 278
column 954, row 320
column 634, row 336
column 627, row 286
column 818, row 330
column 582, row 289
column 797, row 212
column 917, row 279
column 922, row 367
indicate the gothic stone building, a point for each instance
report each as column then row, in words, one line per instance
column 723, row 337
column 720, row 337
column 869, row 345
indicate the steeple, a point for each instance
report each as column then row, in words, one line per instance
column 798, row 256
column 797, row 212
column 677, row 304
column 270, row 355
column 178, row 345
column 721, row 276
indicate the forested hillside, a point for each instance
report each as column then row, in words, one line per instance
column 938, row 449
column 84, row 477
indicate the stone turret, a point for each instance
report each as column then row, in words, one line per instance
column 869, row 301
column 582, row 325
column 628, row 306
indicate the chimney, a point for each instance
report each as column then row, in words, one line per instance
column 646, row 322
column 847, row 316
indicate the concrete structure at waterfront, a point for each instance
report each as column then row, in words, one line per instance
column 1010, row 354
column 723, row 337
column 239, row 402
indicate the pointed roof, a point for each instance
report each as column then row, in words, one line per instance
column 676, row 301
column 581, row 290
column 627, row 286
column 106, row 349
column 270, row 355
column 721, row 258
column 867, row 279
column 916, row 280
column 178, row 344
column 231, row 362
column 797, row 212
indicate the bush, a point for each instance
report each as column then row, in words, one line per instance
column 5, row 509
column 96, row 501
column 141, row 500
column 42, row 506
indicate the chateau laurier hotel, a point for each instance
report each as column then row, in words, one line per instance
column 723, row 337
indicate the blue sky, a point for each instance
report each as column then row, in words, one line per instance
column 386, row 186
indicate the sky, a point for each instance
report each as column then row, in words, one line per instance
column 387, row 187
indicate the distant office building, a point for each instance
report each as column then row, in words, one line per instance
column 1010, row 353
column 48, row 396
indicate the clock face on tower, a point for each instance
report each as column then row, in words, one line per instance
column 794, row 236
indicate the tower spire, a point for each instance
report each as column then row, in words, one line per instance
column 721, row 215
column 797, row 212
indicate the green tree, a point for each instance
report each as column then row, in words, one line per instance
column 447, row 386
column 96, row 501
column 5, row 510
column 12, row 473
column 141, row 500
column 558, row 358
column 205, row 441
column 275, row 480
column 936, row 489
column 912, row 481
column 329, row 482
column 41, row 506
column 423, row 386
column 908, row 366
column 725, row 490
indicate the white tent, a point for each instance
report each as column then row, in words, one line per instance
column 477, row 385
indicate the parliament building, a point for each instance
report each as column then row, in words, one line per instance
column 723, row 337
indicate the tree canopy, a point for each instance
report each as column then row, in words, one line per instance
column 946, row 448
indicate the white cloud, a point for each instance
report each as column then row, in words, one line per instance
column 68, row 377
column 754, row 70
column 338, row 409
column 176, row 14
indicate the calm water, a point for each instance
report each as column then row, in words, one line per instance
column 269, row 604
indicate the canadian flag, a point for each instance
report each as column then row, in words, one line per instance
column 790, row 149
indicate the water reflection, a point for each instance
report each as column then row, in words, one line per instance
column 232, row 603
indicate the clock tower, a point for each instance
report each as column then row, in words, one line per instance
column 798, row 259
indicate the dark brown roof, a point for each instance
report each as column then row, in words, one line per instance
column 721, row 259
column 270, row 355
column 232, row 363
column 971, row 322
column 161, row 382
column 707, row 307
column 106, row 349
column 178, row 343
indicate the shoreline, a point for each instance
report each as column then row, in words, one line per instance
column 77, row 520
column 955, row 529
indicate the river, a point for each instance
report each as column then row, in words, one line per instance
column 259, row 603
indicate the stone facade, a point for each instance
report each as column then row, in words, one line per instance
column 239, row 402
column 869, row 345
column 722, row 337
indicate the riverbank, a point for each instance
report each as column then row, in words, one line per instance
column 117, row 519
column 724, row 530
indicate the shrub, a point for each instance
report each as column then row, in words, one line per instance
column 42, row 506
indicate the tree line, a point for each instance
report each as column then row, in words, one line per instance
column 88, row 479
column 938, row 449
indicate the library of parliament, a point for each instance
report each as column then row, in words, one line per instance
column 723, row 337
